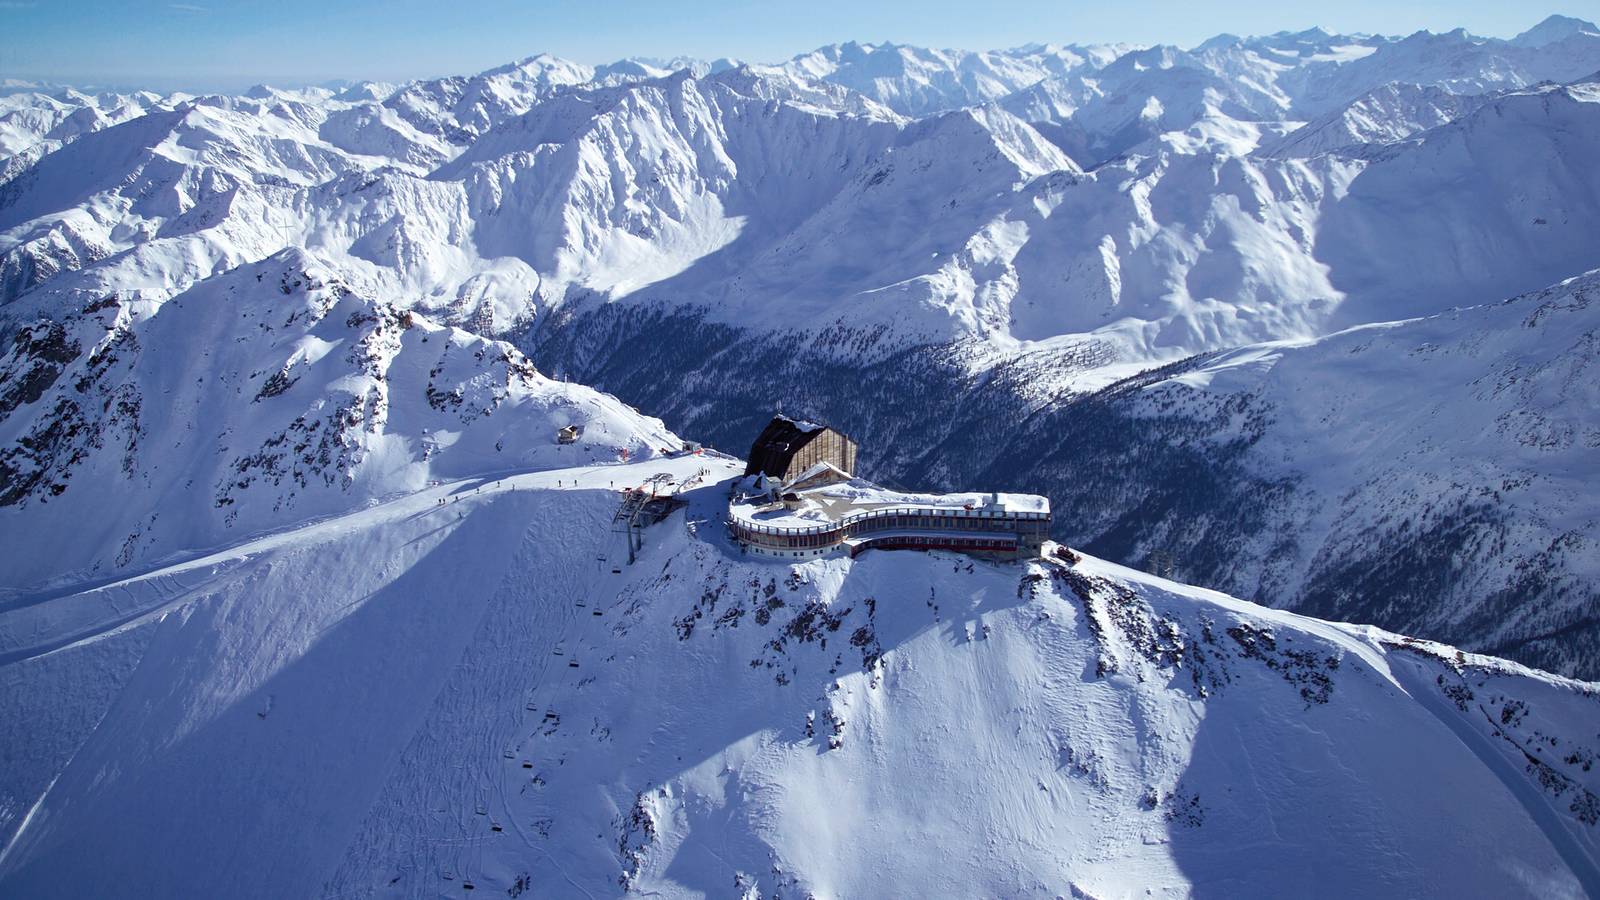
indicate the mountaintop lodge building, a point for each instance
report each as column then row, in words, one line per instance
column 800, row 500
column 786, row 448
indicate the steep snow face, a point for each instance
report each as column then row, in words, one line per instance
column 1198, row 251
column 633, row 186
column 717, row 151
column 370, row 129
column 1097, row 114
column 1093, row 128
column 1179, row 250
column 1383, row 116
column 1431, row 476
column 415, row 698
column 1143, row 94
column 35, row 121
column 262, row 397
column 1547, row 223
column 191, row 190
column 914, row 248
column 176, row 158
column 783, row 205
column 1146, row 252
column 460, row 108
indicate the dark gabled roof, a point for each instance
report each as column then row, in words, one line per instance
column 778, row 443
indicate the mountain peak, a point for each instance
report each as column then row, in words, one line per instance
column 1219, row 42
column 1555, row 28
column 1314, row 33
column 543, row 67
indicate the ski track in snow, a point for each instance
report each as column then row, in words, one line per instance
column 218, row 562
column 1550, row 821
column 716, row 771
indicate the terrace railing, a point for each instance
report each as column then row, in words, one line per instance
column 889, row 519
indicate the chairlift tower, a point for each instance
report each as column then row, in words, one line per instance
column 1161, row 563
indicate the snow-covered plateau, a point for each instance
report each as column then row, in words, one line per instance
column 316, row 403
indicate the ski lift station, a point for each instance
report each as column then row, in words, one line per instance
column 798, row 499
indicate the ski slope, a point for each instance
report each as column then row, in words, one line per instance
column 422, row 695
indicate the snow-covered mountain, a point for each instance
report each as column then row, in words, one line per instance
column 1383, row 116
column 1428, row 475
column 917, row 81
column 1099, row 212
column 1554, row 30
column 36, row 120
column 268, row 395
column 1227, row 81
column 791, row 206
column 421, row 697
column 1456, row 61
column 1433, row 475
column 458, row 109
column 304, row 596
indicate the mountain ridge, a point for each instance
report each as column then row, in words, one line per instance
column 1111, row 708
column 317, row 408
column 1138, row 208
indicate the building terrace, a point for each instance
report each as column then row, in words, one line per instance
column 823, row 508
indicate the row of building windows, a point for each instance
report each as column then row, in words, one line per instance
column 911, row 542
column 961, row 543
column 834, row 538
column 829, row 537
column 955, row 523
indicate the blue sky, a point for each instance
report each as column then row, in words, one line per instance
column 229, row 44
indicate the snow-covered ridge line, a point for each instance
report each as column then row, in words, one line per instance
column 1371, row 457
column 313, row 587
column 266, row 396
column 962, row 282
column 656, row 189
column 1324, row 468
column 485, row 686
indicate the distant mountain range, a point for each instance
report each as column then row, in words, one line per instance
column 308, row 589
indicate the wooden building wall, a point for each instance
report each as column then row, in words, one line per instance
column 830, row 447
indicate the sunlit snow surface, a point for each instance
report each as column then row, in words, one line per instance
column 408, row 698
column 1168, row 201
column 303, row 597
